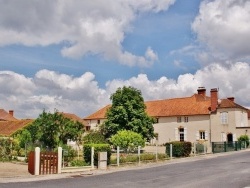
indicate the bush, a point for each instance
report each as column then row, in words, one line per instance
column 78, row 163
column 244, row 138
column 180, row 149
column 5, row 149
column 69, row 153
column 94, row 137
column 97, row 148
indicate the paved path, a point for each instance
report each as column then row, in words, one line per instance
column 11, row 170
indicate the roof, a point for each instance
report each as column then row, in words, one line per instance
column 7, row 128
column 227, row 103
column 194, row 105
column 74, row 117
column 100, row 114
column 5, row 116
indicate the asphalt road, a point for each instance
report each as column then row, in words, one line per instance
column 229, row 171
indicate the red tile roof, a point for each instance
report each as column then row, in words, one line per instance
column 227, row 103
column 7, row 128
column 194, row 105
column 74, row 118
column 5, row 116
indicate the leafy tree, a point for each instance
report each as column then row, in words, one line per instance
column 94, row 137
column 128, row 113
column 127, row 140
column 24, row 137
column 53, row 129
column 244, row 138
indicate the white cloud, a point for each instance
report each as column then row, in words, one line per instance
column 82, row 27
column 223, row 28
column 81, row 95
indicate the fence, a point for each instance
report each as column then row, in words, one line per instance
column 218, row 147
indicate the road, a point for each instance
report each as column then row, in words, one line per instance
column 229, row 171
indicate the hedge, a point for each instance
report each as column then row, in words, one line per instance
column 97, row 148
column 5, row 149
column 179, row 149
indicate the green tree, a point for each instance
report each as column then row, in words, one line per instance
column 24, row 137
column 53, row 129
column 128, row 113
column 127, row 140
column 94, row 137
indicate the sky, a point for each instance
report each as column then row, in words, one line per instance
column 71, row 55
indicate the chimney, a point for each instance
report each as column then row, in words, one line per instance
column 202, row 91
column 11, row 112
column 214, row 99
column 231, row 99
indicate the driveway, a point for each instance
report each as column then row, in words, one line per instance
column 8, row 169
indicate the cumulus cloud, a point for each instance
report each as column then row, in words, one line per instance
column 223, row 29
column 82, row 95
column 82, row 27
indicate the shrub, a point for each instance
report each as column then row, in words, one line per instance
column 78, row 163
column 179, row 149
column 69, row 153
column 5, row 149
column 127, row 140
column 244, row 138
column 94, row 137
column 97, row 148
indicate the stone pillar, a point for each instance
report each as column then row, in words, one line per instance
column 37, row 160
column 59, row 158
column 102, row 160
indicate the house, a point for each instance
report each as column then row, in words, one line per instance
column 9, row 124
column 198, row 118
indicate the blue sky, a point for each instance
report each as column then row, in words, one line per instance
column 71, row 55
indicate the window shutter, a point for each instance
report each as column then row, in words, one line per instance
column 224, row 137
column 206, row 135
column 234, row 138
column 176, row 134
column 197, row 135
column 185, row 134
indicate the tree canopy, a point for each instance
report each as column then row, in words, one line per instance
column 128, row 113
column 127, row 140
column 53, row 129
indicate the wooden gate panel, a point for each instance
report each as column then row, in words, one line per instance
column 48, row 163
column 31, row 163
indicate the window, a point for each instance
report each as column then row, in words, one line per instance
column 156, row 120
column 181, row 134
column 98, row 121
column 178, row 119
column 87, row 128
column 185, row 119
column 224, row 117
column 202, row 135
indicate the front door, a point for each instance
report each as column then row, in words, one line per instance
column 230, row 137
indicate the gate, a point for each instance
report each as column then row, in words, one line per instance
column 48, row 163
column 45, row 162
column 31, row 163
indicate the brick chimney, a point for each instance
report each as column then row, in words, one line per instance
column 231, row 99
column 202, row 91
column 214, row 99
column 11, row 112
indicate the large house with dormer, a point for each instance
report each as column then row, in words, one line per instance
column 198, row 118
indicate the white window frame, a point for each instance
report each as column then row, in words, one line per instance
column 224, row 118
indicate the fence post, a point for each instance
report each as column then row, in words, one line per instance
column 171, row 149
column 59, row 158
column 139, row 153
column 204, row 146
column 92, row 157
column 225, row 147
column 156, row 151
column 37, row 161
column 212, row 147
column 236, row 145
column 118, row 156
column 194, row 148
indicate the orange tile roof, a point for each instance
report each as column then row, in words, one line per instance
column 194, row 105
column 226, row 103
column 74, row 118
column 5, row 116
column 100, row 114
column 7, row 128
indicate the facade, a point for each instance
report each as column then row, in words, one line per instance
column 199, row 118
